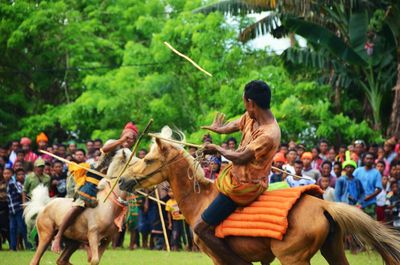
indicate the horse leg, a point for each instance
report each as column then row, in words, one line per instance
column 94, row 246
column 103, row 246
column 70, row 247
column 332, row 249
column 46, row 233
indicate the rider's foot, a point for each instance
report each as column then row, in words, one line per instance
column 56, row 245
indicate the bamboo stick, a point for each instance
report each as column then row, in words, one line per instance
column 162, row 221
column 187, row 58
column 174, row 141
column 95, row 172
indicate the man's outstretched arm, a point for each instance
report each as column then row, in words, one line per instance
column 219, row 125
column 238, row 158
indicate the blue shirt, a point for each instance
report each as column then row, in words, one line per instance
column 14, row 190
column 346, row 187
column 371, row 180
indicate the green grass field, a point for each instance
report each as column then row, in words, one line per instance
column 148, row 257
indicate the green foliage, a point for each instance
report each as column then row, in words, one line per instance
column 128, row 74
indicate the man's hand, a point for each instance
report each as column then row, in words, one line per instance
column 219, row 121
column 210, row 148
column 367, row 198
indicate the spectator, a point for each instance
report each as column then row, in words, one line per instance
column 380, row 154
column 359, row 150
column 4, row 157
column 277, row 176
column 331, row 156
column 300, row 149
column 329, row 192
column 317, row 161
column 372, row 183
column 337, row 169
column 58, row 186
column 232, row 144
column 380, row 166
column 47, row 168
column 71, row 148
column 26, row 146
column 308, row 170
column 207, row 139
column 214, row 168
column 176, row 222
column 61, row 150
column 42, row 141
column 98, row 144
column 90, row 149
column 390, row 154
column 292, row 144
column 323, row 149
column 17, row 224
column 34, row 179
column 13, row 149
column 27, row 166
column 326, row 170
column 348, row 189
column 393, row 205
column 290, row 157
column 20, row 175
column 295, row 181
column 341, row 155
column 224, row 145
column 132, row 220
column 4, row 224
column 284, row 149
column 381, row 199
column 79, row 156
column 143, row 153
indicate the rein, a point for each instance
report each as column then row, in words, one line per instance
column 158, row 170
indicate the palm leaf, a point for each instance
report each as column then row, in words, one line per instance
column 236, row 7
column 322, row 37
column 268, row 24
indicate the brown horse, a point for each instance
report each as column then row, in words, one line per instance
column 95, row 226
column 314, row 224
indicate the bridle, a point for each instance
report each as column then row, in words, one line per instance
column 158, row 170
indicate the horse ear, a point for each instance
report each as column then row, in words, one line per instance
column 161, row 145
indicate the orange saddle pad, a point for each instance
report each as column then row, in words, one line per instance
column 265, row 217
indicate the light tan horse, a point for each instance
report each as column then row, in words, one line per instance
column 314, row 224
column 95, row 226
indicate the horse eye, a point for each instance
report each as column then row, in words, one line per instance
column 149, row 161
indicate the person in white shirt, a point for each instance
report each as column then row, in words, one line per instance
column 294, row 181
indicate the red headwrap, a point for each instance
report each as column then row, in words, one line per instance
column 25, row 141
column 131, row 126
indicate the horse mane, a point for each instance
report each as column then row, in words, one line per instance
column 198, row 172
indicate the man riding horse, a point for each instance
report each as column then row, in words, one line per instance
column 247, row 176
column 86, row 194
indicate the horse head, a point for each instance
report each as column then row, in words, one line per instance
column 152, row 169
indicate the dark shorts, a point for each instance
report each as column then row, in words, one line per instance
column 220, row 208
column 87, row 195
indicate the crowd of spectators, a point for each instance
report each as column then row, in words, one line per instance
column 360, row 174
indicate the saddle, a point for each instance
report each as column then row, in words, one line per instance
column 267, row 216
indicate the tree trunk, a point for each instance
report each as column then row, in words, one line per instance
column 394, row 125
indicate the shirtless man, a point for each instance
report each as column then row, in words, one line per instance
column 246, row 177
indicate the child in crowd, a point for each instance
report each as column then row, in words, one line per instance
column 381, row 199
column 176, row 221
column 329, row 192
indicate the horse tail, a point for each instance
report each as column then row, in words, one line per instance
column 40, row 197
column 368, row 232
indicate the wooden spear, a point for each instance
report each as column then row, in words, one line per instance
column 96, row 172
column 200, row 146
column 162, row 221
